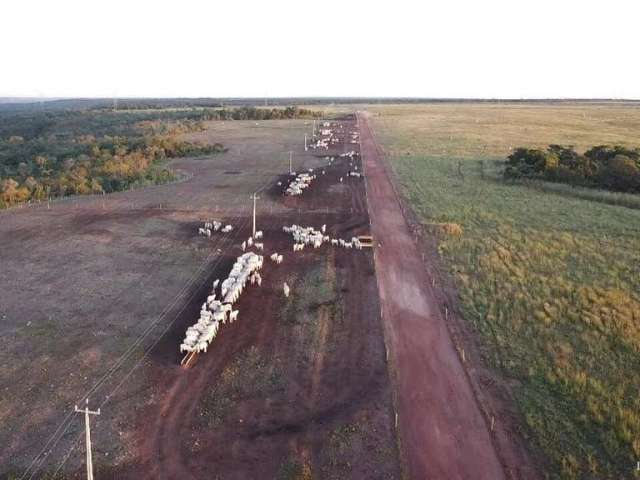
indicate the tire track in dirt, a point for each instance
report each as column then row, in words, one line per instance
column 443, row 434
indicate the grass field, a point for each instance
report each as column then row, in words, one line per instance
column 549, row 277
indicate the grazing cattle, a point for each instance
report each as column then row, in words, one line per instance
column 285, row 289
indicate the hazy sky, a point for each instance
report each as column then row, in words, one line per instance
column 448, row 48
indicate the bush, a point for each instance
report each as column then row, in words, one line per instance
column 614, row 168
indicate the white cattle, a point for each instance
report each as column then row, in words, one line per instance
column 233, row 315
column 259, row 246
column 285, row 289
column 243, row 245
column 258, row 234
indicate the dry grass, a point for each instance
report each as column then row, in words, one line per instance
column 550, row 281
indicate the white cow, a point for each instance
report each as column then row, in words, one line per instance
column 286, row 289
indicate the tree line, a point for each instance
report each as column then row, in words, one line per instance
column 604, row 166
column 71, row 152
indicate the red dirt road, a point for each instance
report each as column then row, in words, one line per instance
column 443, row 434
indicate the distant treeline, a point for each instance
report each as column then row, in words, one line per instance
column 31, row 104
column 54, row 153
column 609, row 167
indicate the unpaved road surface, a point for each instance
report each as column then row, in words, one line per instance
column 442, row 432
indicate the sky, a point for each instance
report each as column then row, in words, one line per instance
column 241, row 48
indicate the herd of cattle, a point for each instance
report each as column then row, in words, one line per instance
column 218, row 308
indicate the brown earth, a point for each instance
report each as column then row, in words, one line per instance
column 306, row 375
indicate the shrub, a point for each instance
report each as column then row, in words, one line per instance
column 614, row 168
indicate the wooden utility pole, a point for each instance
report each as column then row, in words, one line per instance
column 255, row 197
column 290, row 162
column 88, row 412
column 305, row 142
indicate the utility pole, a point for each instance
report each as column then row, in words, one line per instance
column 88, row 412
column 290, row 162
column 255, row 197
column 314, row 129
column 305, row 142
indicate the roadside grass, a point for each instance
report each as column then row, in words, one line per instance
column 293, row 470
column 551, row 281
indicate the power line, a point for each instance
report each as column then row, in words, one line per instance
column 52, row 442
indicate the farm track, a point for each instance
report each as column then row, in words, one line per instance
column 342, row 379
column 443, row 434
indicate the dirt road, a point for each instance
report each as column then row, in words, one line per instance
column 442, row 432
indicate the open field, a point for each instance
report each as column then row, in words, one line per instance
column 296, row 388
column 549, row 281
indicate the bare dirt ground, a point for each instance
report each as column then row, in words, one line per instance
column 296, row 386
column 443, row 433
